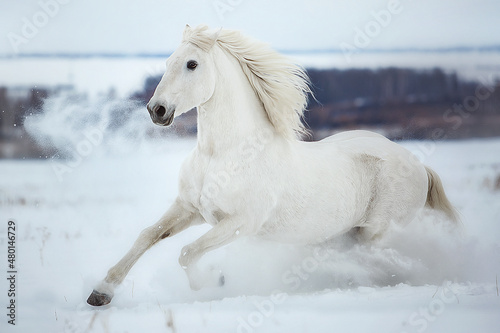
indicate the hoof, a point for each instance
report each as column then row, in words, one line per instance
column 98, row 299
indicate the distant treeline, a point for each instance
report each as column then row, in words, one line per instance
column 403, row 103
column 410, row 103
column 389, row 85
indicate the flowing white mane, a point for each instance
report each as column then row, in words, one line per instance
column 281, row 85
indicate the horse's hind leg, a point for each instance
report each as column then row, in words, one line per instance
column 399, row 193
column 173, row 221
column 381, row 217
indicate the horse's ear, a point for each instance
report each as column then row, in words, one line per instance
column 187, row 31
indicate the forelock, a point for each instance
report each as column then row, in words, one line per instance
column 199, row 37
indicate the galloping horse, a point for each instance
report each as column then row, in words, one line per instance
column 251, row 175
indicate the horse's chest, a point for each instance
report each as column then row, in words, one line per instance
column 208, row 184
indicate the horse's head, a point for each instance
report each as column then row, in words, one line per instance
column 188, row 82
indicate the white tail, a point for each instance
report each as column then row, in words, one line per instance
column 436, row 198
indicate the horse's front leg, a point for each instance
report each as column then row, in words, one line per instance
column 176, row 219
column 221, row 234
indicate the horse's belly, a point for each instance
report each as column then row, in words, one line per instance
column 305, row 232
column 326, row 217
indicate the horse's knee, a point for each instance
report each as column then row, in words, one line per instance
column 187, row 257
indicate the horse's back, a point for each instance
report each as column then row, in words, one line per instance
column 348, row 135
column 396, row 160
column 370, row 143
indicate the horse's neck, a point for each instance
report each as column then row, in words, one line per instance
column 234, row 112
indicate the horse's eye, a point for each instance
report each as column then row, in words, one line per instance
column 191, row 64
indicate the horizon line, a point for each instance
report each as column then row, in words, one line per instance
column 98, row 54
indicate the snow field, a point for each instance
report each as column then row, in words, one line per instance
column 73, row 226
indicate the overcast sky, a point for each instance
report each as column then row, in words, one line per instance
column 154, row 26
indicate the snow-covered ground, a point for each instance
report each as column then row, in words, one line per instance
column 75, row 218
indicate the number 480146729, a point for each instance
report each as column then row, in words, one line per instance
column 11, row 243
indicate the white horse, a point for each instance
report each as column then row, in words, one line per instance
column 250, row 175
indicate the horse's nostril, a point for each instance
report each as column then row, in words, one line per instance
column 160, row 111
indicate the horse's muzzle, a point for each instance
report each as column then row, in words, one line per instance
column 160, row 115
